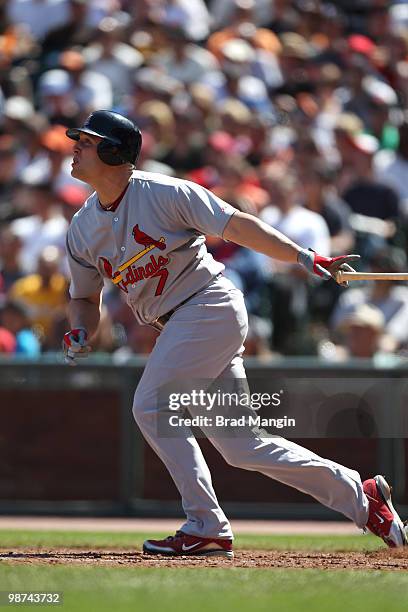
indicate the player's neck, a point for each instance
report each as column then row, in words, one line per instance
column 110, row 189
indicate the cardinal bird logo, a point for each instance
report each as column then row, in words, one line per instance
column 107, row 266
column 146, row 240
column 114, row 276
column 129, row 274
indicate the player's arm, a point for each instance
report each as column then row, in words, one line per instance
column 85, row 304
column 84, row 315
column 251, row 232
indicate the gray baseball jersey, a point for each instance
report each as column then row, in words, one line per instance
column 152, row 246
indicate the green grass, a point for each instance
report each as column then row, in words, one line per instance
column 102, row 589
column 230, row 589
column 135, row 540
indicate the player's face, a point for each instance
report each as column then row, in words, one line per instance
column 86, row 164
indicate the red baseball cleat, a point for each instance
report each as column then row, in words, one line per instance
column 383, row 519
column 184, row 544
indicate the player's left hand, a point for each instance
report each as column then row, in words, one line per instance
column 326, row 267
column 75, row 345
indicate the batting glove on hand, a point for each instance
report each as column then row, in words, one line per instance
column 326, row 267
column 74, row 345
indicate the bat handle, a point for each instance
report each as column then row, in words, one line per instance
column 340, row 276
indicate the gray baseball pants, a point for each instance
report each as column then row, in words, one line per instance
column 204, row 339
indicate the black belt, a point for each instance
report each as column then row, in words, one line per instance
column 160, row 322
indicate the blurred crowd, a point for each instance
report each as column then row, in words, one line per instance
column 293, row 110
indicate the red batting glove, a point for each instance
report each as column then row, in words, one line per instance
column 325, row 267
column 75, row 345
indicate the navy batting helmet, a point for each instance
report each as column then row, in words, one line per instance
column 122, row 139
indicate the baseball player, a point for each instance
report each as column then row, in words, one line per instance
column 145, row 233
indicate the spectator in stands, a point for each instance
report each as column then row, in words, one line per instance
column 187, row 152
column 151, row 85
column 330, row 37
column 260, row 130
column 237, row 78
column 111, row 57
column 355, row 98
column 10, row 267
column 366, row 195
column 74, row 32
column 401, row 82
column 220, row 144
column 321, row 197
column 306, row 227
column 183, row 60
column 89, row 89
column 326, row 85
column 39, row 16
column 7, row 342
column 15, row 318
column 238, row 183
column 389, row 297
column 346, row 127
column 295, row 63
column 392, row 168
column 8, row 176
column 58, row 155
column 243, row 25
column 55, row 96
column 377, row 23
column 375, row 205
column 223, row 11
column 363, row 330
column 191, row 15
column 203, row 99
column 289, row 287
column 157, row 118
column 147, row 161
column 382, row 99
column 305, row 150
column 27, row 127
column 44, row 225
column 44, row 293
column 235, row 118
column 71, row 196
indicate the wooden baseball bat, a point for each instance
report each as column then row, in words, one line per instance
column 342, row 276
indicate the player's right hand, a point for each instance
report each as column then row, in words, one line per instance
column 326, row 267
column 75, row 345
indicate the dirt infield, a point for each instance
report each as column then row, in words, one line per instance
column 378, row 560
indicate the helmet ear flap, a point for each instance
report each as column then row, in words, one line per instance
column 109, row 153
